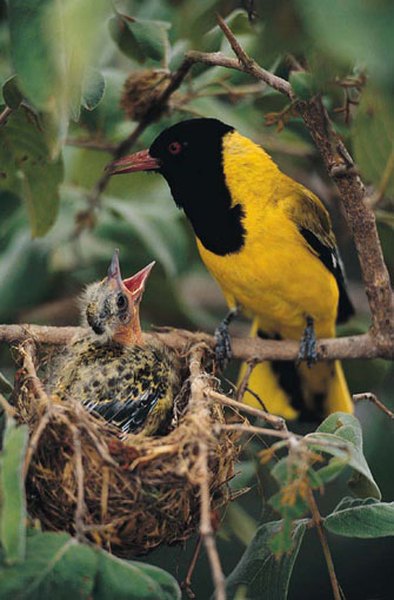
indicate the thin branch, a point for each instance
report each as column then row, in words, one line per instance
column 276, row 422
column 256, row 349
column 250, row 365
column 206, row 530
column 374, row 400
column 79, row 477
column 92, row 144
column 218, row 59
column 187, row 582
column 4, row 115
column 317, row 520
column 254, row 429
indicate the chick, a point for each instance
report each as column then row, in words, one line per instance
column 111, row 370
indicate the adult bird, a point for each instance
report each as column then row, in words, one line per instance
column 268, row 242
column 111, row 370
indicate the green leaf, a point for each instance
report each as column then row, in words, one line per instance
column 13, row 504
column 373, row 139
column 341, row 428
column 58, row 566
column 362, row 518
column 28, row 171
column 93, row 89
column 133, row 581
column 11, row 93
column 139, row 39
column 36, row 50
column 262, row 574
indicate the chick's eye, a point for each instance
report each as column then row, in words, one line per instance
column 121, row 302
column 174, row 148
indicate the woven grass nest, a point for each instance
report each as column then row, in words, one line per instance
column 132, row 495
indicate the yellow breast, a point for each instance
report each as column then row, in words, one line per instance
column 274, row 276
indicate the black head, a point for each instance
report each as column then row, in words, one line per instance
column 189, row 156
column 189, row 151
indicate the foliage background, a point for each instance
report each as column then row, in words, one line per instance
column 71, row 80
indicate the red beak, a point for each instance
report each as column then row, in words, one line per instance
column 139, row 161
column 136, row 283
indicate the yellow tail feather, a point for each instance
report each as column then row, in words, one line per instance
column 325, row 379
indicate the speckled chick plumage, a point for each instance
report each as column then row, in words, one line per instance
column 111, row 370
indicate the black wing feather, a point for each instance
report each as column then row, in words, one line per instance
column 131, row 414
column 332, row 261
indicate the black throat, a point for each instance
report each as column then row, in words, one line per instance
column 204, row 196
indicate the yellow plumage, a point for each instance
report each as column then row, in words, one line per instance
column 276, row 278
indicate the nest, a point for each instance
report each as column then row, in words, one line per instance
column 132, row 495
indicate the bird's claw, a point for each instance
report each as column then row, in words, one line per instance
column 223, row 351
column 308, row 350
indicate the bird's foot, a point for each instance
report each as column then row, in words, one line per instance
column 223, row 351
column 308, row 350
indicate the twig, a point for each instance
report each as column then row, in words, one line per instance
column 284, row 435
column 250, row 365
column 357, row 346
column 374, row 399
column 206, row 530
column 92, row 144
column 33, row 442
column 27, row 352
column 187, row 582
column 317, row 520
column 79, row 477
column 4, row 115
column 7, row 408
column 276, row 422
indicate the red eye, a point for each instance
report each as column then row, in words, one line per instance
column 174, row 148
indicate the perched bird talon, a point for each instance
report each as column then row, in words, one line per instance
column 112, row 371
column 308, row 350
column 223, row 350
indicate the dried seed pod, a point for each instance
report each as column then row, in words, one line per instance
column 141, row 89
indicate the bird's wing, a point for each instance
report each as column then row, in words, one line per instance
column 131, row 414
column 313, row 223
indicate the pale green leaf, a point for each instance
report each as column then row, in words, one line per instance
column 28, row 171
column 362, row 518
column 259, row 571
column 341, row 436
column 13, row 504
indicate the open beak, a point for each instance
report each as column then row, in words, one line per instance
column 136, row 283
column 139, row 161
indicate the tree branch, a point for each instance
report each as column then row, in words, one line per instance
column 317, row 521
column 250, row 349
column 340, row 167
